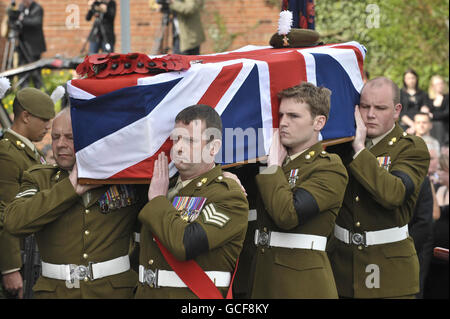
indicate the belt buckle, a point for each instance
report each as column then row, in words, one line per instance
column 80, row 272
column 150, row 277
column 358, row 239
column 264, row 238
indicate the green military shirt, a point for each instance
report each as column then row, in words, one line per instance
column 298, row 273
column 213, row 243
column 70, row 229
column 15, row 158
column 377, row 198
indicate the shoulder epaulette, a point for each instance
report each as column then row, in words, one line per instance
column 413, row 138
column 325, row 154
column 228, row 182
column 5, row 142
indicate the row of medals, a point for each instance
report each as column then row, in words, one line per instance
column 117, row 196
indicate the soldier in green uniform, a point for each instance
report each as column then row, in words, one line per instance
column 371, row 253
column 202, row 220
column 301, row 193
column 83, row 231
column 33, row 111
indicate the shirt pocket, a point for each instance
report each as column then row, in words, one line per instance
column 124, row 284
column 44, row 285
column 401, row 249
column 298, row 260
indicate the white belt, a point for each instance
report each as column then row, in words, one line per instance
column 289, row 240
column 369, row 238
column 167, row 278
column 82, row 272
column 252, row 215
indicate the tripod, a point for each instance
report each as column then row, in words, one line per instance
column 161, row 44
column 97, row 27
column 13, row 44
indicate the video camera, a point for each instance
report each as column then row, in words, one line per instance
column 96, row 4
column 13, row 17
column 164, row 5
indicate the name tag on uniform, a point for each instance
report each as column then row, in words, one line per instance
column 188, row 207
column 384, row 162
column 116, row 197
column 293, row 176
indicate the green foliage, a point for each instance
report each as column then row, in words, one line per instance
column 397, row 34
column 51, row 78
column 222, row 38
column 218, row 32
column 54, row 78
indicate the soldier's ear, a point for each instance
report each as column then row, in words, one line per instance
column 210, row 150
column 397, row 110
column 215, row 146
column 319, row 122
column 25, row 117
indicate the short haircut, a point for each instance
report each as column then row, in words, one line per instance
column 201, row 112
column 318, row 98
column 63, row 111
column 17, row 108
column 380, row 81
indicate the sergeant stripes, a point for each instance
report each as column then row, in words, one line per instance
column 28, row 192
column 211, row 216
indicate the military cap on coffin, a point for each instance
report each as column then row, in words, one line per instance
column 288, row 37
column 36, row 103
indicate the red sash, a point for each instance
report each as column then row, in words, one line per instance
column 194, row 277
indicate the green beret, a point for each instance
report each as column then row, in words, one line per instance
column 296, row 38
column 36, row 103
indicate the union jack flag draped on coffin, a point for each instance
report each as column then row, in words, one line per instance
column 121, row 123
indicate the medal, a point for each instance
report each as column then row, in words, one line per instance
column 116, row 197
column 293, row 177
column 188, row 207
column 384, row 162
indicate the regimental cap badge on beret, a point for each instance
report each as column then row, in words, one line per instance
column 288, row 37
column 36, row 102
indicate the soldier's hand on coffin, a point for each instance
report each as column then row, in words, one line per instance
column 361, row 132
column 159, row 184
column 79, row 189
column 277, row 152
column 236, row 179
